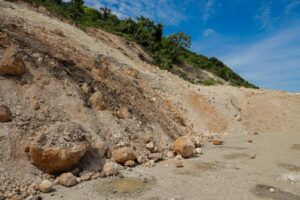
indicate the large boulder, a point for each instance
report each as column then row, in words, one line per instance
column 184, row 146
column 11, row 63
column 5, row 114
column 96, row 101
column 59, row 149
column 122, row 155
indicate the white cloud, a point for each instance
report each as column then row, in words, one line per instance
column 208, row 32
column 265, row 18
column 291, row 6
column 272, row 62
column 208, row 9
column 164, row 11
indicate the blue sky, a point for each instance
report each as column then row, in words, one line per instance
column 259, row 39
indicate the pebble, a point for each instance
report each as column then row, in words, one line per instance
column 272, row 190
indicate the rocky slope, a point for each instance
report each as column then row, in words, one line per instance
column 74, row 100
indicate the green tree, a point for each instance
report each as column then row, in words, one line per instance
column 75, row 9
column 176, row 43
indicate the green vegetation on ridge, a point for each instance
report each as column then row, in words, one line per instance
column 164, row 50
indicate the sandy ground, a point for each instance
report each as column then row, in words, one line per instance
column 222, row 172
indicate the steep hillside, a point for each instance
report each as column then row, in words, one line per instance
column 169, row 52
column 88, row 102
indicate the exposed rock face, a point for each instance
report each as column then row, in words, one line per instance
column 53, row 155
column 11, row 63
column 67, row 179
column 111, row 169
column 184, row 146
column 5, row 114
column 122, row 155
column 96, row 101
column 45, row 186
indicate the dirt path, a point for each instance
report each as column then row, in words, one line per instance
column 238, row 170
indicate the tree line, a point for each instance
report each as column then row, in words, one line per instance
column 164, row 50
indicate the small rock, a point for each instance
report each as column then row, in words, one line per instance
column 110, row 169
column 67, row 179
column 45, row 186
column 198, row 151
column 58, row 32
column 253, row 156
column 102, row 175
column 250, row 141
column 36, row 105
column 130, row 163
column 141, row 159
column 272, row 190
column 155, row 156
column 150, row 163
column 96, row 175
column 178, row 157
column 121, row 175
column 170, row 154
column 239, row 118
column 131, row 72
column 150, row 146
column 76, row 171
column 86, row 176
column 96, row 101
column 37, row 198
column 217, row 142
column 123, row 113
column 5, row 114
column 178, row 163
column 85, row 88
column 78, row 180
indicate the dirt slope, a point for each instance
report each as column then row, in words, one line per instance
column 61, row 58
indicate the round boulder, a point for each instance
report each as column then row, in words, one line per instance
column 67, row 180
column 122, row 155
column 184, row 146
column 12, row 63
column 45, row 186
column 111, row 169
column 59, row 149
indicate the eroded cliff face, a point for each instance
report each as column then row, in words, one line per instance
column 55, row 76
